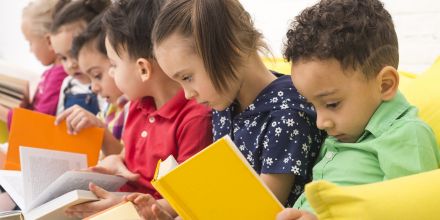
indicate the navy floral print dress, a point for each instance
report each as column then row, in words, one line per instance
column 276, row 133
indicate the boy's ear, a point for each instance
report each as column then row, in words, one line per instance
column 145, row 68
column 388, row 78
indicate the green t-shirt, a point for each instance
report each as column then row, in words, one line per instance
column 395, row 143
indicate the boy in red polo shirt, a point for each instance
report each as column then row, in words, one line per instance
column 160, row 121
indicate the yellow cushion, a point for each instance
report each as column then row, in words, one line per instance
column 405, row 79
column 277, row 65
column 410, row 197
column 424, row 92
column 3, row 132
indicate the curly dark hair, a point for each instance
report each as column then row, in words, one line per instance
column 358, row 33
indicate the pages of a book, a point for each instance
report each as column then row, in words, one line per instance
column 12, row 182
column 77, row 180
column 9, row 102
column 41, row 167
column 166, row 166
column 11, row 93
column 54, row 210
column 11, row 215
column 13, row 83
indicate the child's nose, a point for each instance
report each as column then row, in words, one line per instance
column 72, row 65
column 95, row 88
column 189, row 94
column 323, row 123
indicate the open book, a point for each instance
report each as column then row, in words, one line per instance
column 48, row 182
column 12, row 91
column 216, row 183
column 30, row 128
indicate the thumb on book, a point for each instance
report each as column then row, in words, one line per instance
column 98, row 191
column 160, row 213
column 127, row 174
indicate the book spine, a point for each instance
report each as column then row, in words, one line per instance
column 167, row 193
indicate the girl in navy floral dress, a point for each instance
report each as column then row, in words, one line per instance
column 212, row 49
column 218, row 64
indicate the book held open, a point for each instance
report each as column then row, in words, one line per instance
column 29, row 128
column 48, row 182
column 216, row 183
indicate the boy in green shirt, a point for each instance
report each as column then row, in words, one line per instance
column 345, row 56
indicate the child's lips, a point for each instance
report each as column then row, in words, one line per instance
column 341, row 137
column 205, row 103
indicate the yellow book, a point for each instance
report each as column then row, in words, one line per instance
column 122, row 211
column 216, row 183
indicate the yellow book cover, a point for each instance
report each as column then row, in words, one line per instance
column 217, row 183
column 122, row 211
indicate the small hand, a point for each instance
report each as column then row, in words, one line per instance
column 77, row 119
column 121, row 171
column 114, row 165
column 295, row 214
column 106, row 200
column 148, row 208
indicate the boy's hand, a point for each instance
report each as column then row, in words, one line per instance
column 114, row 165
column 295, row 214
column 77, row 119
column 106, row 200
column 148, row 207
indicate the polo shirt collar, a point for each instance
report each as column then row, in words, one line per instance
column 385, row 115
column 168, row 111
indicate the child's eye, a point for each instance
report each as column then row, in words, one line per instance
column 98, row 76
column 63, row 58
column 187, row 78
column 332, row 105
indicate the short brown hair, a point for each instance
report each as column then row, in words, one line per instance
column 222, row 33
column 358, row 33
column 93, row 36
column 71, row 11
column 128, row 25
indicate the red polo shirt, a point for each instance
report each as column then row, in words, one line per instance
column 181, row 128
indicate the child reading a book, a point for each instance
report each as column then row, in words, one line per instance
column 211, row 48
column 35, row 26
column 70, row 20
column 218, row 64
column 89, row 49
column 345, row 56
column 161, row 122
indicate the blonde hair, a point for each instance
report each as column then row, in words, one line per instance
column 40, row 13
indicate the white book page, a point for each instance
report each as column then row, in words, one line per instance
column 77, row 180
column 40, row 167
column 166, row 166
column 54, row 210
column 12, row 182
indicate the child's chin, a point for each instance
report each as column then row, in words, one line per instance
column 81, row 78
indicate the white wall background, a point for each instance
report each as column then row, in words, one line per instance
column 417, row 25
